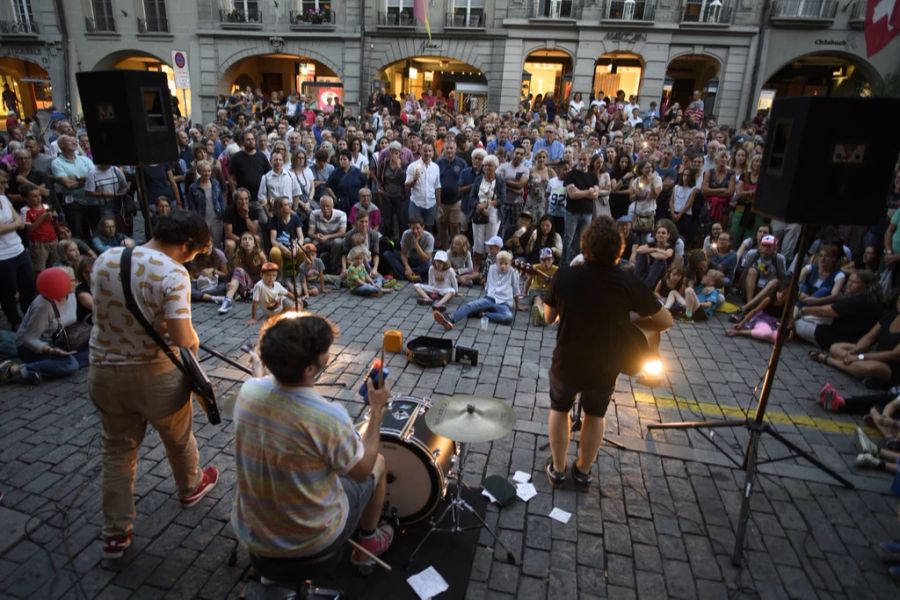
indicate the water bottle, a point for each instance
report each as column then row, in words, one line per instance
column 375, row 377
column 484, row 323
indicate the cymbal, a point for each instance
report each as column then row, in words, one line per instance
column 470, row 418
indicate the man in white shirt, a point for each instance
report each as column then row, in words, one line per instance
column 327, row 227
column 278, row 183
column 423, row 182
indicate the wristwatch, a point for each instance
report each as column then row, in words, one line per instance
column 860, row 356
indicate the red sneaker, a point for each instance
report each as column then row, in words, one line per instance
column 210, row 478
column 376, row 544
column 833, row 401
column 115, row 546
column 442, row 320
column 825, row 389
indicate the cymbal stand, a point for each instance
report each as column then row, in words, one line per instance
column 455, row 509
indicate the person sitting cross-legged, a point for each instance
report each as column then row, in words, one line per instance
column 305, row 486
column 501, row 292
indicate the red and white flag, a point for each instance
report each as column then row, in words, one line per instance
column 420, row 13
column 882, row 24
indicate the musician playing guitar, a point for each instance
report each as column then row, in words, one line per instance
column 595, row 343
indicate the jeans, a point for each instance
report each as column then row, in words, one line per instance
column 366, row 289
column 426, row 214
column 494, row 311
column 575, row 222
column 51, row 367
column 649, row 270
column 16, row 275
column 82, row 219
column 418, row 266
column 394, row 210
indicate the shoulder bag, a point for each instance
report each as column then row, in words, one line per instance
column 73, row 338
column 186, row 362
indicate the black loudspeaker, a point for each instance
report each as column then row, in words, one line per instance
column 128, row 115
column 828, row 161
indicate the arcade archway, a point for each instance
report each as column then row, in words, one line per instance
column 820, row 74
column 687, row 74
column 547, row 70
column 29, row 87
column 282, row 73
column 439, row 74
column 142, row 61
column 616, row 71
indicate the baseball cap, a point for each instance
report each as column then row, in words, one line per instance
column 495, row 241
column 546, row 253
column 441, row 255
column 768, row 240
column 395, row 145
column 310, row 247
column 269, row 266
column 624, row 219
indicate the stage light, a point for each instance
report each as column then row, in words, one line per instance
column 652, row 372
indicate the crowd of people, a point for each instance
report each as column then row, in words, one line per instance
column 302, row 202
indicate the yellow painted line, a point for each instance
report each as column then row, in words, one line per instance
column 775, row 417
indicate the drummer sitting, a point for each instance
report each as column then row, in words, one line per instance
column 306, row 481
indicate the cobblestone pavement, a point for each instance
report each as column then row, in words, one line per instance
column 660, row 526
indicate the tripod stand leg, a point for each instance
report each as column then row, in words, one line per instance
column 509, row 555
column 434, row 527
column 806, row 455
column 743, row 517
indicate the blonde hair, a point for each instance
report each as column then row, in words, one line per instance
column 464, row 243
column 504, row 256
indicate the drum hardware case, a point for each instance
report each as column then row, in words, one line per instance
column 467, row 354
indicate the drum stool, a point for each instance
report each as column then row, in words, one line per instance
column 299, row 585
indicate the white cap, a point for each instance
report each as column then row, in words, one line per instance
column 441, row 256
column 495, row 241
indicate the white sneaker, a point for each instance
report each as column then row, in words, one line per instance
column 227, row 303
column 217, row 299
column 867, row 461
column 866, row 445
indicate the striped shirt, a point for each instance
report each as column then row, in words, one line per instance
column 290, row 447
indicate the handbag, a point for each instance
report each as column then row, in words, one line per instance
column 73, row 338
column 644, row 223
column 186, row 362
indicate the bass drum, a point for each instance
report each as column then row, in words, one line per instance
column 417, row 460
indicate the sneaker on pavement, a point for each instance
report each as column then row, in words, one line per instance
column 115, row 546
column 582, row 480
column 867, row 461
column 832, row 401
column 825, row 389
column 556, row 478
column 537, row 316
column 866, row 445
column 210, row 478
column 29, row 377
column 376, row 544
column 442, row 320
column 7, row 370
column 217, row 299
column 227, row 303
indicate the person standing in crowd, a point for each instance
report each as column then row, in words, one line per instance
column 132, row 382
column 450, row 216
column 246, row 169
column 390, row 181
column 516, row 175
column 582, row 188
column 423, row 182
column 16, row 274
column 592, row 303
column 70, row 170
column 277, row 183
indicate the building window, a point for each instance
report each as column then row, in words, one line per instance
column 104, row 18
column 705, row 11
column 552, row 9
column 399, row 12
column 155, row 19
column 24, row 15
column 467, row 13
column 312, row 11
column 242, row 11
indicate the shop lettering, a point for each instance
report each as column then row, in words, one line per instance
column 831, row 42
column 630, row 37
column 22, row 51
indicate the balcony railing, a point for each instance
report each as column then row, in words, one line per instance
column 312, row 18
column 805, row 10
column 554, row 9
column 239, row 16
column 102, row 24
column 18, row 28
column 153, row 25
column 629, row 10
column 858, row 14
column 709, row 12
column 395, row 17
column 461, row 18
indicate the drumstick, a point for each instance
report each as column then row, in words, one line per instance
column 381, row 370
column 380, row 562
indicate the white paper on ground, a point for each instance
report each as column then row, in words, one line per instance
column 428, row 583
column 521, row 477
column 526, row 491
column 488, row 495
column 560, row 515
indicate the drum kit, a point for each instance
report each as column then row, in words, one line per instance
column 424, row 446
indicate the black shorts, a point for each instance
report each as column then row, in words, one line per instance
column 594, row 401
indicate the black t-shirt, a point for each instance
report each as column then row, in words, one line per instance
column 582, row 181
column 238, row 225
column 81, row 313
column 450, row 171
column 285, row 233
column 248, row 170
column 593, row 303
column 856, row 316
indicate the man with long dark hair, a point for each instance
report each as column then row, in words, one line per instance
column 592, row 302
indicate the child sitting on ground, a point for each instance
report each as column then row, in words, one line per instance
column 500, row 294
column 536, row 285
column 313, row 272
column 707, row 296
column 461, row 261
column 358, row 279
column 268, row 293
column 441, row 286
column 670, row 290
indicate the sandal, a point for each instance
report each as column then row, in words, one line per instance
column 819, row 357
column 736, row 317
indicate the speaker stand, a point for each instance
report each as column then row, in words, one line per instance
column 142, row 200
column 757, row 426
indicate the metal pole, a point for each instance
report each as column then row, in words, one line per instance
column 145, row 206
